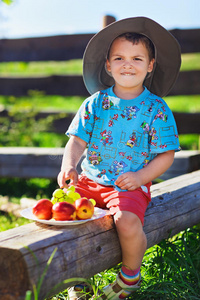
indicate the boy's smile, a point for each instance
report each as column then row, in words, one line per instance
column 129, row 64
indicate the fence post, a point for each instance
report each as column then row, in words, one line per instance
column 108, row 20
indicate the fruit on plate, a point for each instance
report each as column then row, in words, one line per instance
column 69, row 195
column 43, row 209
column 64, row 211
column 58, row 196
column 84, row 208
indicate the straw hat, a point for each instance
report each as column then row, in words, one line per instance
column 167, row 55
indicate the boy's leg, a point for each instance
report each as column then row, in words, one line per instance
column 133, row 244
column 132, row 238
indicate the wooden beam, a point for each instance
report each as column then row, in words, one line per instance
column 187, row 84
column 87, row 249
column 57, row 48
column 188, row 39
column 107, row 20
column 187, row 123
column 64, row 85
column 31, row 162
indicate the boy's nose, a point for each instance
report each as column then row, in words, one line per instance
column 127, row 64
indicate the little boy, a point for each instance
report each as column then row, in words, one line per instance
column 129, row 131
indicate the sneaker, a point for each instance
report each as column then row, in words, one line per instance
column 79, row 292
column 114, row 290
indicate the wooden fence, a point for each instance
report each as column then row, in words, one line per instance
column 67, row 47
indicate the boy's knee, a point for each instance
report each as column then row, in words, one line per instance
column 128, row 223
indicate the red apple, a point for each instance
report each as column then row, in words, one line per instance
column 43, row 209
column 84, row 209
column 64, row 211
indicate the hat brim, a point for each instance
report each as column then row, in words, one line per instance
column 167, row 62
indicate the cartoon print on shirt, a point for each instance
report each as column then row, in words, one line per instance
column 111, row 122
column 146, row 161
column 160, row 115
column 130, row 112
column 129, row 157
column 106, row 103
column 150, row 109
column 123, row 154
column 117, row 167
column 132, row 141
column 101, row 173
column 163, row 146
column 96, row 118
column 145, row 127
column 87, row 115
column 94, row 157
column 94, row 146
column 106, row 137
column 153, row 137
column 152, row 134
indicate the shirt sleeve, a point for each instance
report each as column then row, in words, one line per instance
column 83, row 122
column 163, row 134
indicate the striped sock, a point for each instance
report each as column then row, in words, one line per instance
column 129, row 277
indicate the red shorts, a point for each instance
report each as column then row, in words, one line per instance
column 107, row 197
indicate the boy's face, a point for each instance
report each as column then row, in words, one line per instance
column 129, row 65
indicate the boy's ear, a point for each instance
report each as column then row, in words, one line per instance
column 107, row 66
column 151, row 64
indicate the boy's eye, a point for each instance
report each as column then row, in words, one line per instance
column 118, row 58
column 137, row 58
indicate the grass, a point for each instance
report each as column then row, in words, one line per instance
column 40, row 101
column 45, row 68
column 8, row 221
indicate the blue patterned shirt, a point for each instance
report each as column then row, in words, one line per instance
column 123, row 135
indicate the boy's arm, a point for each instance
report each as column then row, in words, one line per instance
column 132, row 180
column 72, row 154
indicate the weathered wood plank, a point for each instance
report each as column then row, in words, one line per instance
column 187, row 84
column 51, row 85
column 188, row 39
column 30, row 162
column 58, row 48
column 72, row 85
column 187, row 123
column 87, row 249
column 184, row 162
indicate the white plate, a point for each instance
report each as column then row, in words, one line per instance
column 28, row 214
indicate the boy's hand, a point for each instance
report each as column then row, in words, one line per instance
column 129, row 181
column 70, row 174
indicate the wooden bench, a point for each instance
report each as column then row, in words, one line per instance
column 92, row 247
